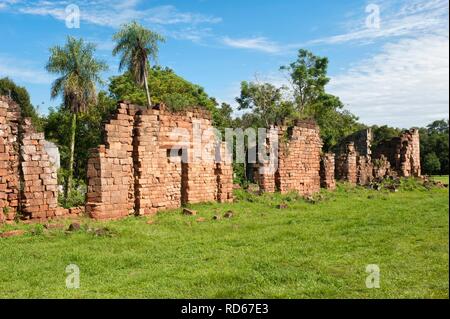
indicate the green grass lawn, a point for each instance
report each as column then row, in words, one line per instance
column 309, row 250
column 440, row 178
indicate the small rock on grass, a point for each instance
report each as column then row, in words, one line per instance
column 228, row 214
column 200, row 220
column 216, row 217
column 74, row 227
column 189, row 212
column 282, row 206
column 12, row 233
column 53, row 226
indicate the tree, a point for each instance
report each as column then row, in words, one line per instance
column 435, row 139
column 383, row 133
column 169, row 88
column 20, row 95
column 431, row 163
column 266, row 103
column 308, row 77
column 334, row 121
column 137, row 45
column 79, row 73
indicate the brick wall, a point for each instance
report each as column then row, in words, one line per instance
column 28, row 179
column 327, row 166
column 161, row 160
column 39, row 186
column 9, row 158
column 298, row 167
column 299, row 158
column 399, row 156
column 346, row 164
column 403, row 153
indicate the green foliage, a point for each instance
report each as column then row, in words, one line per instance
column 383, row 133
column 431, row 163
column 20, row 95
column 79, row 73
column 308, row 77
column 272, row 105
column 76, row 196
column 167, row 87
column 136, row 45
column 334, row 121
column 88, row 131
column 266, row 103
column 434, row 147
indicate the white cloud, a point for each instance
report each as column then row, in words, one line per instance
column 405, row 85
column 23, row 71
column 113, row 13
column 259, row 44
column 410, row 18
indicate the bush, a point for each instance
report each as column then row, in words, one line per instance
column 76, row 197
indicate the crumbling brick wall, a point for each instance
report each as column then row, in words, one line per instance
column 298, row 161
column 39, row 187
column 28, row 180
column 346, row 165
column 399, row 156
column 161, row 160
column 353, row 158
column 9, row 158
column 403, row 153
column 299, row 158
column 327, row 166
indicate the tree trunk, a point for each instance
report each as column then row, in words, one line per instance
column 73, row 128
column 147, row 91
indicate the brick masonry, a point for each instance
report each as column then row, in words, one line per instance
column 28, row 178
column 154, row 160
column 327, row 166
column 402, row 153
column 299, row 158
column 357, row 164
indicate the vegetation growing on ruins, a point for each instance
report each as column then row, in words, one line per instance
column 265, row 104
column 274, row 246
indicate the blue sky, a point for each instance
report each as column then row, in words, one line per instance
column 396, row 73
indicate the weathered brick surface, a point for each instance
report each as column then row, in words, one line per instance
column 28, row 180
column 298, row 167
column 299, row 159
column 40, row 187
column 9, row 158
column 154, row 160
column 346, row 165
column 399, row 156
column 327, row 166
column 403, row 153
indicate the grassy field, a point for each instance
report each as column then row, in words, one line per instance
column 308, row 250
column 440, row 178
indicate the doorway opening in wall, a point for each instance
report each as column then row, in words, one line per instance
column 178, row 176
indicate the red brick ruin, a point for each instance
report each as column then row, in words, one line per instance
column 299, row 158
column 357, row 164
column 154, row 160
column 28, row 180
column 150, row 162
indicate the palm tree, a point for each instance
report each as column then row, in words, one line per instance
column 136, row 45
column 79, row 72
